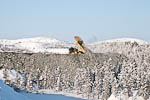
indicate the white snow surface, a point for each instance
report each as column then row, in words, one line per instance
column 112, row 97
column 7, row 93
column 50, row 45
column 71, row 94
column 35, row 45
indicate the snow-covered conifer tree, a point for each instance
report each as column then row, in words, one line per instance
column 6, row 76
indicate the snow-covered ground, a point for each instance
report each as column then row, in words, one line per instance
column 51, row 45
column 35, row 45
column 8, row 93
column 123, row 97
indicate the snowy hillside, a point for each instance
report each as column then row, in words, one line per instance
column 35, row 45
column 51, row 45
column 123, row 40
column 7, row 93
column 122, row 45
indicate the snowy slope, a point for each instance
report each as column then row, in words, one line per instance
column 35, row 45
column 123, row 40
column 120, row 45
column 123, row 97
column 7, row 93
column 51, row 45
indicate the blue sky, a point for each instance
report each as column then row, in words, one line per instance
column 93, row 20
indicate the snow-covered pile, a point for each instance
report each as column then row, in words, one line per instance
column 35, row 45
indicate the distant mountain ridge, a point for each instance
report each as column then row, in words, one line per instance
column 122, row 40
column 51, row 45
column 35, row 45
